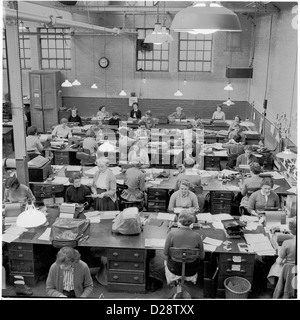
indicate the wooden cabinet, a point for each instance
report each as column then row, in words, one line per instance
column 212, row 163
column 45, row 98
column 157, row 200
column 22, row 261
column 234, row 264
column 126, row 270
column 221, row 202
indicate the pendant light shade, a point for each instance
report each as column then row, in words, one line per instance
column 122, row 93
column 156, row 36
column 286, row 154
column 66, row 83
column 228, row 87
column 94, row 86
column 31, row 217
column 166, row 37
column 228, row 102
column 76, row 83
column 178, row 93
column 205, row 18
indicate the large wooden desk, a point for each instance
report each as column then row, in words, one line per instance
column 127, row 255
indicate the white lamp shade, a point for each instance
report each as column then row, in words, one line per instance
column 76, row 83
column 286, row 154
column 156, row 36
column 106, row 147
column 228, row 102
column 94, row 86
column 66, row 83
column 206, row 19
column 122, row 93
column 178, row 93
column 228, row 87
column 31, row 218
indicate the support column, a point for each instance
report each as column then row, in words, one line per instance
column 16, row 94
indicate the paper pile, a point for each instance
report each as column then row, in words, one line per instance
column 260, row 244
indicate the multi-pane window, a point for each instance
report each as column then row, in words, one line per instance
column 24, row 43
column 55, row 45
column 152, row 57
column 195, row 52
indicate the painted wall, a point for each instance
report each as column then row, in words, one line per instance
column 279, row 88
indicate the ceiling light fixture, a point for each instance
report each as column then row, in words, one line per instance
column 178, row 93
column 66, row 83
column 122, row 93
column 205, row 18
column 228, row 87
column 31, row 217
column 75, row 82
column 228, row 102
column 286, row 154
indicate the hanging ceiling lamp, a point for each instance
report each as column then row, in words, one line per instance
column 205, row 18
column 31, row 217
column 228, row 87
column 75, row 82
column 228, row 102
column 178, row 93
column 286, row 154
column 165, row 37
column 156, row 36
column 122, row 93
column 66, row 83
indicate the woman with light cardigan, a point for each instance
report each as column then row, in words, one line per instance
column 104, row 187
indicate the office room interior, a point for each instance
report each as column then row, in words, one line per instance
column 234, row 78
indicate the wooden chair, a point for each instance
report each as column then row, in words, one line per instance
column 183, row 255
column 124, row 203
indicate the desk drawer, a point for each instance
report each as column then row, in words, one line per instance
column 21, row 266
column 126, row 255
column 22, row 255
column 221, row 207
column 236, row 258
column 127, row 265
column 236, row 269
column 61, row 154
column 221, row 195
column 20, row 246
column 222, row 201
column 128, row 277
column 61, row 161
column 157, row 195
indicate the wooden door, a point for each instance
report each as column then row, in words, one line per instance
column 36, row 107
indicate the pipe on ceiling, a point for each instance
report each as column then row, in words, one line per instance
column 56, row 21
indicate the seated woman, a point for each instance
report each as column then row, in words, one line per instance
column 17, row 192
column 142, row 133
column 287, row 259
column 104, row 187
column 135, row 181
column 235, row 124
column 114, row 121
column 135, row 113
column 125, row 142
column 149, row 120
column 74, row 117
column 246, row 158
column 33, row 142
column 234, row 148
column 89, row 143
column 178, row 114
column 77, row 193
column 254, row 182
column 263, row 198
column 183, row 237
column 102, row 113
column 187, row 152
column 218, row 114
column 62, row 130
column 69, row 277
column 188, row 174
column 137, row 152
column 183, row 198
column 197, row 123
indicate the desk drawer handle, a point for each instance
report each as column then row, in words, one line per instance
column 241, row 271
column 115, row 254
column 230, row 260
column 21, row 255
column 136, row 278
column 136, row 265
column 20, row 248
column 136, row 255
column 116, row 264
column 116, row 277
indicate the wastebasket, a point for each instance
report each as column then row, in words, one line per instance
column 236, row 288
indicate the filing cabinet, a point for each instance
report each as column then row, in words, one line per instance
column 61, row 158
column 126, row 270
column 212, row 163
column 23, row 261
column 221, row 202
column 234, row 264
column 158, row 200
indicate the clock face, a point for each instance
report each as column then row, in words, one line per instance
column 103, row 62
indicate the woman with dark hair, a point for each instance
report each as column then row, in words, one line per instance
column 219, row 114
column 135, row 113
column 263, row 198
column 78, row 193
column 149, row 120
column 246, row 158
column 74, row 117
column 69, row 276
column 33, row 143
column 17, row 192
column 138, row 153
column 62, row 130
column 102, row 113
column 235, row 123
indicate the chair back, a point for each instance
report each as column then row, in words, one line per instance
column 85, row 158
column 64, row 243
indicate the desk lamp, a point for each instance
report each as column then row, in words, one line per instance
column 31, row 217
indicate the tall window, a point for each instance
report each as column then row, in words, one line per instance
column 195, row 52
column 151, row 57
column 55, row 45
column 24, row 42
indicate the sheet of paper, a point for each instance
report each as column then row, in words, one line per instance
column 204, row 217
column 155, row 243
column 115, row 170
column 156, row 181
column 96, row 219
column 46, row 235
column 275, row 174
column 209, row 247
column 7, row 237
column 214, row 242
column 222, row 216
column 220, row 153
column 61, row 180
column 91, row 172
column 120, row 181
column 228, row 172
column 66, row 215
column 91, row 214
column 73, row 168
column 205, row 174
column 15, row 230
column 218, row 225
column 108, row 214
column 166, row 216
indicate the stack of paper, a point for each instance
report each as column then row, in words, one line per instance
column 222, row 216
column 105, row 215
column 93, row 216
column 218, row 225
column 211, row 244
column 61, row 180
column 204, row 217
column 260, row 244
column 166, row 216
column 12, row 233
column 155, row 243
column 46, row 235
column 274, row 174
column 10, row 220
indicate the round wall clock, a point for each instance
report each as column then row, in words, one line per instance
column 103, row 62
